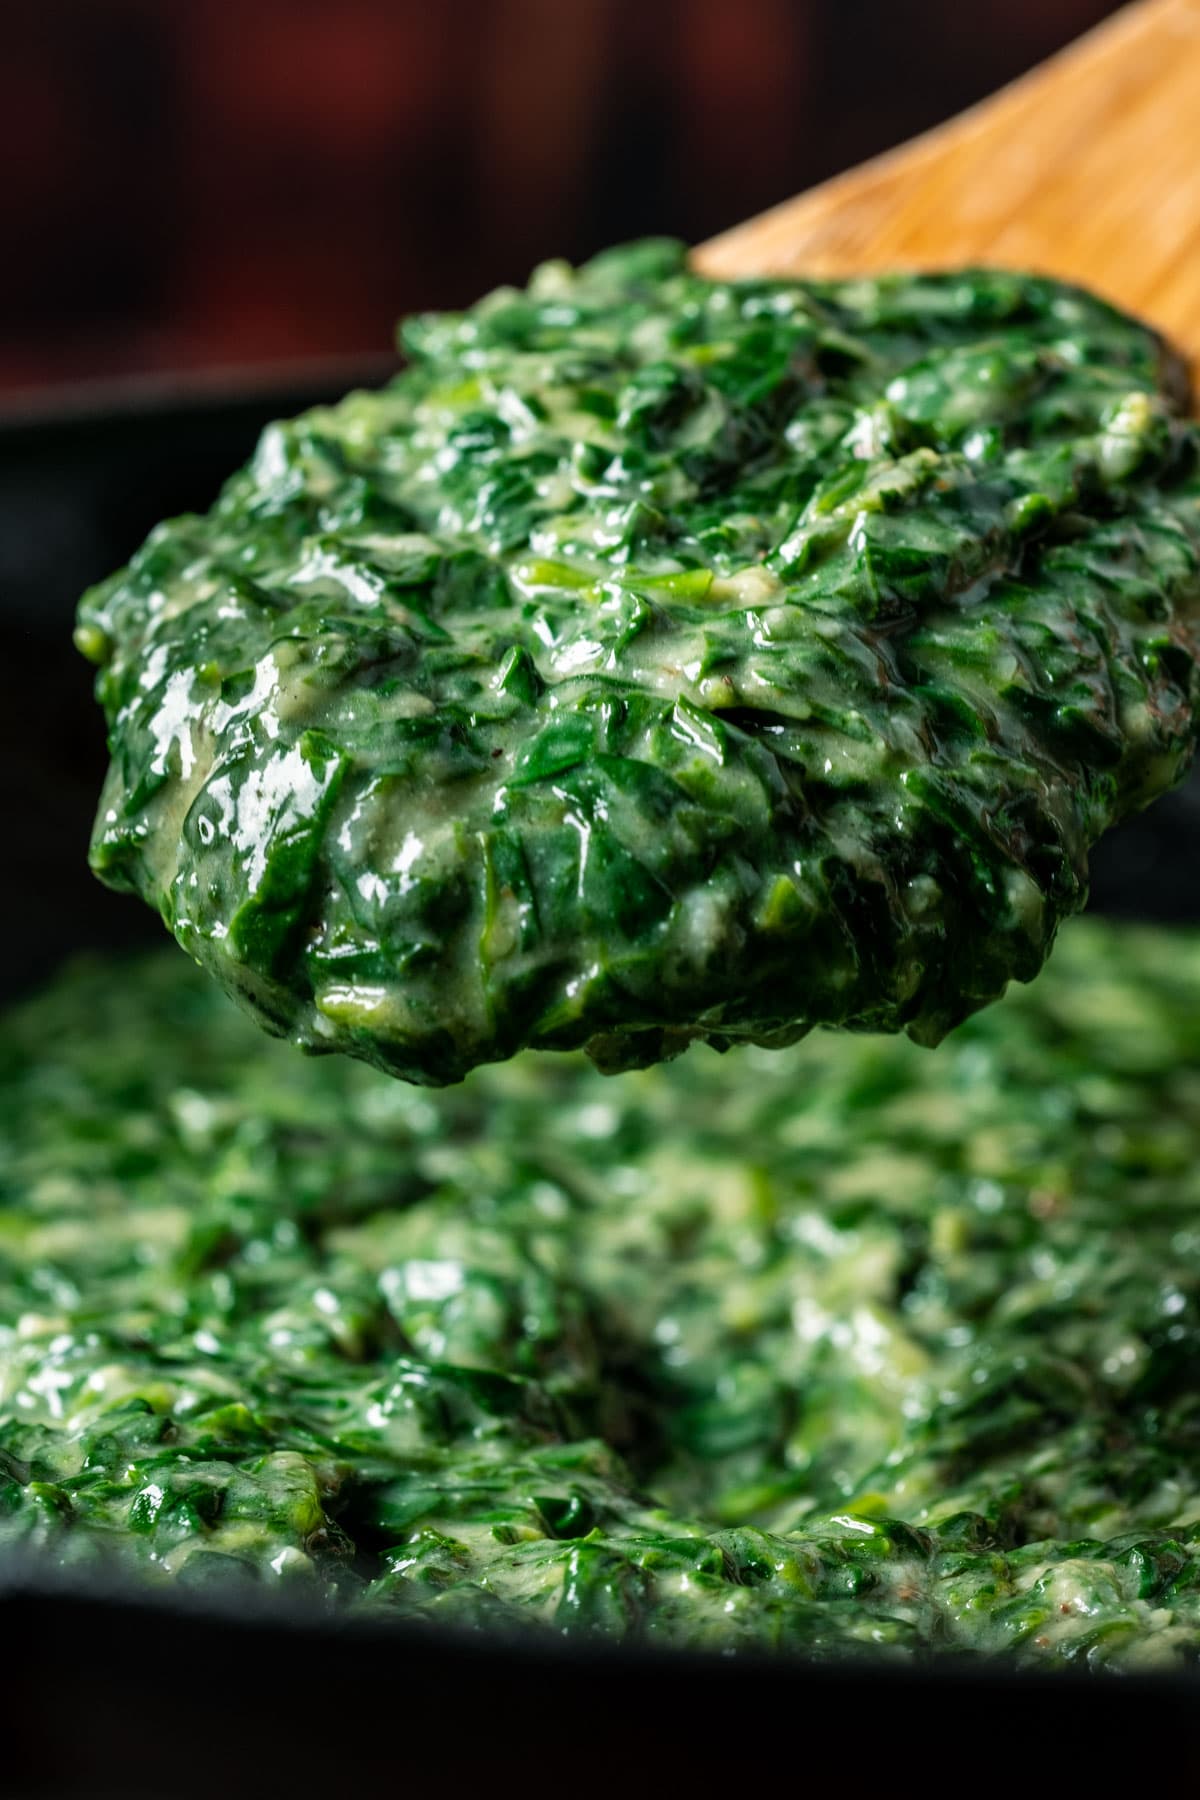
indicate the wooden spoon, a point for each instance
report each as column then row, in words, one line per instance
column 1087, row 168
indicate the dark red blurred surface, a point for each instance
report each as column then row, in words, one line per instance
column 190, row 183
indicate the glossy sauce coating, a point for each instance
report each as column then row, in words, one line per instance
column 660, row 659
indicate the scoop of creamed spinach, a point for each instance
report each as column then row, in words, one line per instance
column 658, row 658
column 842, row 1347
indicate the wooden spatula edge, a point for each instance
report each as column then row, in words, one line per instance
column 1087, row 168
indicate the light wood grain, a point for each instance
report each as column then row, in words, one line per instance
column 1088, row 168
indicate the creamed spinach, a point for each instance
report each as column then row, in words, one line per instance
column 842, row 1348
column 659, row 659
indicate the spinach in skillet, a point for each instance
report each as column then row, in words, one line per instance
column 842, row 1348
column 657, row 658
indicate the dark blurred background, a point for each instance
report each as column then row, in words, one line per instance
column 200, row 183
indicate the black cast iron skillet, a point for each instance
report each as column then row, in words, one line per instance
column 110, row 1692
